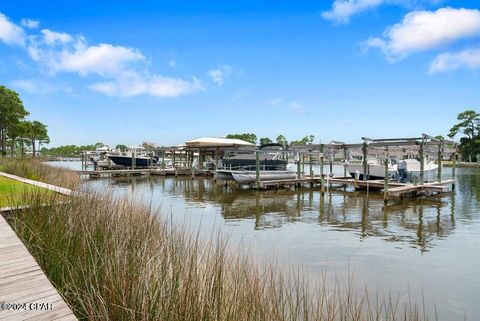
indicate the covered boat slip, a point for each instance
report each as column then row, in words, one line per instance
column 426, row 149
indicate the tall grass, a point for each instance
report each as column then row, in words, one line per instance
column 35, row 170
column 115, row 259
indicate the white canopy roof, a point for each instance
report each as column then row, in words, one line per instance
column 217, row 142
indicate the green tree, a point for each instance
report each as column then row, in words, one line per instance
column 248, row 137
column 282, row 140
column 121, row 147
column 469, row 126
column 265, row 141
column 17, row 132
column 307, row 140
column 36, row 131
column 12, row 111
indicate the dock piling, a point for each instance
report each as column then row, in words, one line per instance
column 257, row 169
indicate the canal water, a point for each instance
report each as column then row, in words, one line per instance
column 425, row 250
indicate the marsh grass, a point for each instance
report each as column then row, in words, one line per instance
column 13, row 192
column 115, row 259
column 33, row 169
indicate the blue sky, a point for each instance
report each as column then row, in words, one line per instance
column 169, row 71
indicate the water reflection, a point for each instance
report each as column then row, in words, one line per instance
column 428, row 247
column 414, row 222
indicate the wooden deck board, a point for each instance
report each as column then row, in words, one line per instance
column 23, row 281
column 58, row 189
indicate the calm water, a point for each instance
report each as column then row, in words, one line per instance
column 427, row 247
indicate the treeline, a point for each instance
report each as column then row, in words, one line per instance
column 75, row 150
column 252, row 138
column 17, row 133
column 469, row 126
column 69, row 150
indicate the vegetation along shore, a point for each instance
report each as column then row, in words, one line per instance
column 115, row 259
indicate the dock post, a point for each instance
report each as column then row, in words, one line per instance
column 163, row 160
column 439, row 161
column 298, row 167
column 344, row 161
column 133, row 159
column 257, row 169
column 311, row 167
column 173, row 161
column 422, row 162
column 454, row 166
column 303, row 164
column 385, row 181
column 365, row 154
column 322, row 178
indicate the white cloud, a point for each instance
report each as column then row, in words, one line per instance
column 103, row 59
column 219, row 75
column 423, row 30
column 52, row 37
column 123, row 71
column 38, row 87
column 132, row 84
column 343, row 10
column 469, row 58
column 29, row 23
column 10, row 33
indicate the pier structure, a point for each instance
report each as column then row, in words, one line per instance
column 207, row 153
column 425, row 148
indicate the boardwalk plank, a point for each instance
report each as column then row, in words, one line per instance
column 23, row 281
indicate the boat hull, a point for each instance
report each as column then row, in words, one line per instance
column 246, row 177
column 374, row 171
column 127, row 161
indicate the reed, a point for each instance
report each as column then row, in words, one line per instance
column 115, row 259
column 37, row 171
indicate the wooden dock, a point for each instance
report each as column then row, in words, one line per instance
column 25, row 291
column 145, row 171
column 394, row 189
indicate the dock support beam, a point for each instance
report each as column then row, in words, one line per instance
column 422, row 161
column 365, row 154
column 385, row 181
column 311, row 166
column 257, row 169
column 439, row 161
column 454, row 166
column 322, row 178
column 133, row 159
column 345, row 161
column 298, row 166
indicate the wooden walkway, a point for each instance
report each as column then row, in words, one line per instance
column 25, row 291
column 57, row 189
column 23, row 282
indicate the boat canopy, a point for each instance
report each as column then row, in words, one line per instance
column 217, row 142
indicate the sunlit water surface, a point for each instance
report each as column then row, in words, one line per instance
column 428, row 248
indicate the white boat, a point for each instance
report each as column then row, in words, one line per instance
column 245, row 177
column 404, row 171
column 408, row 169
column 375, row 170
column 138, row 153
